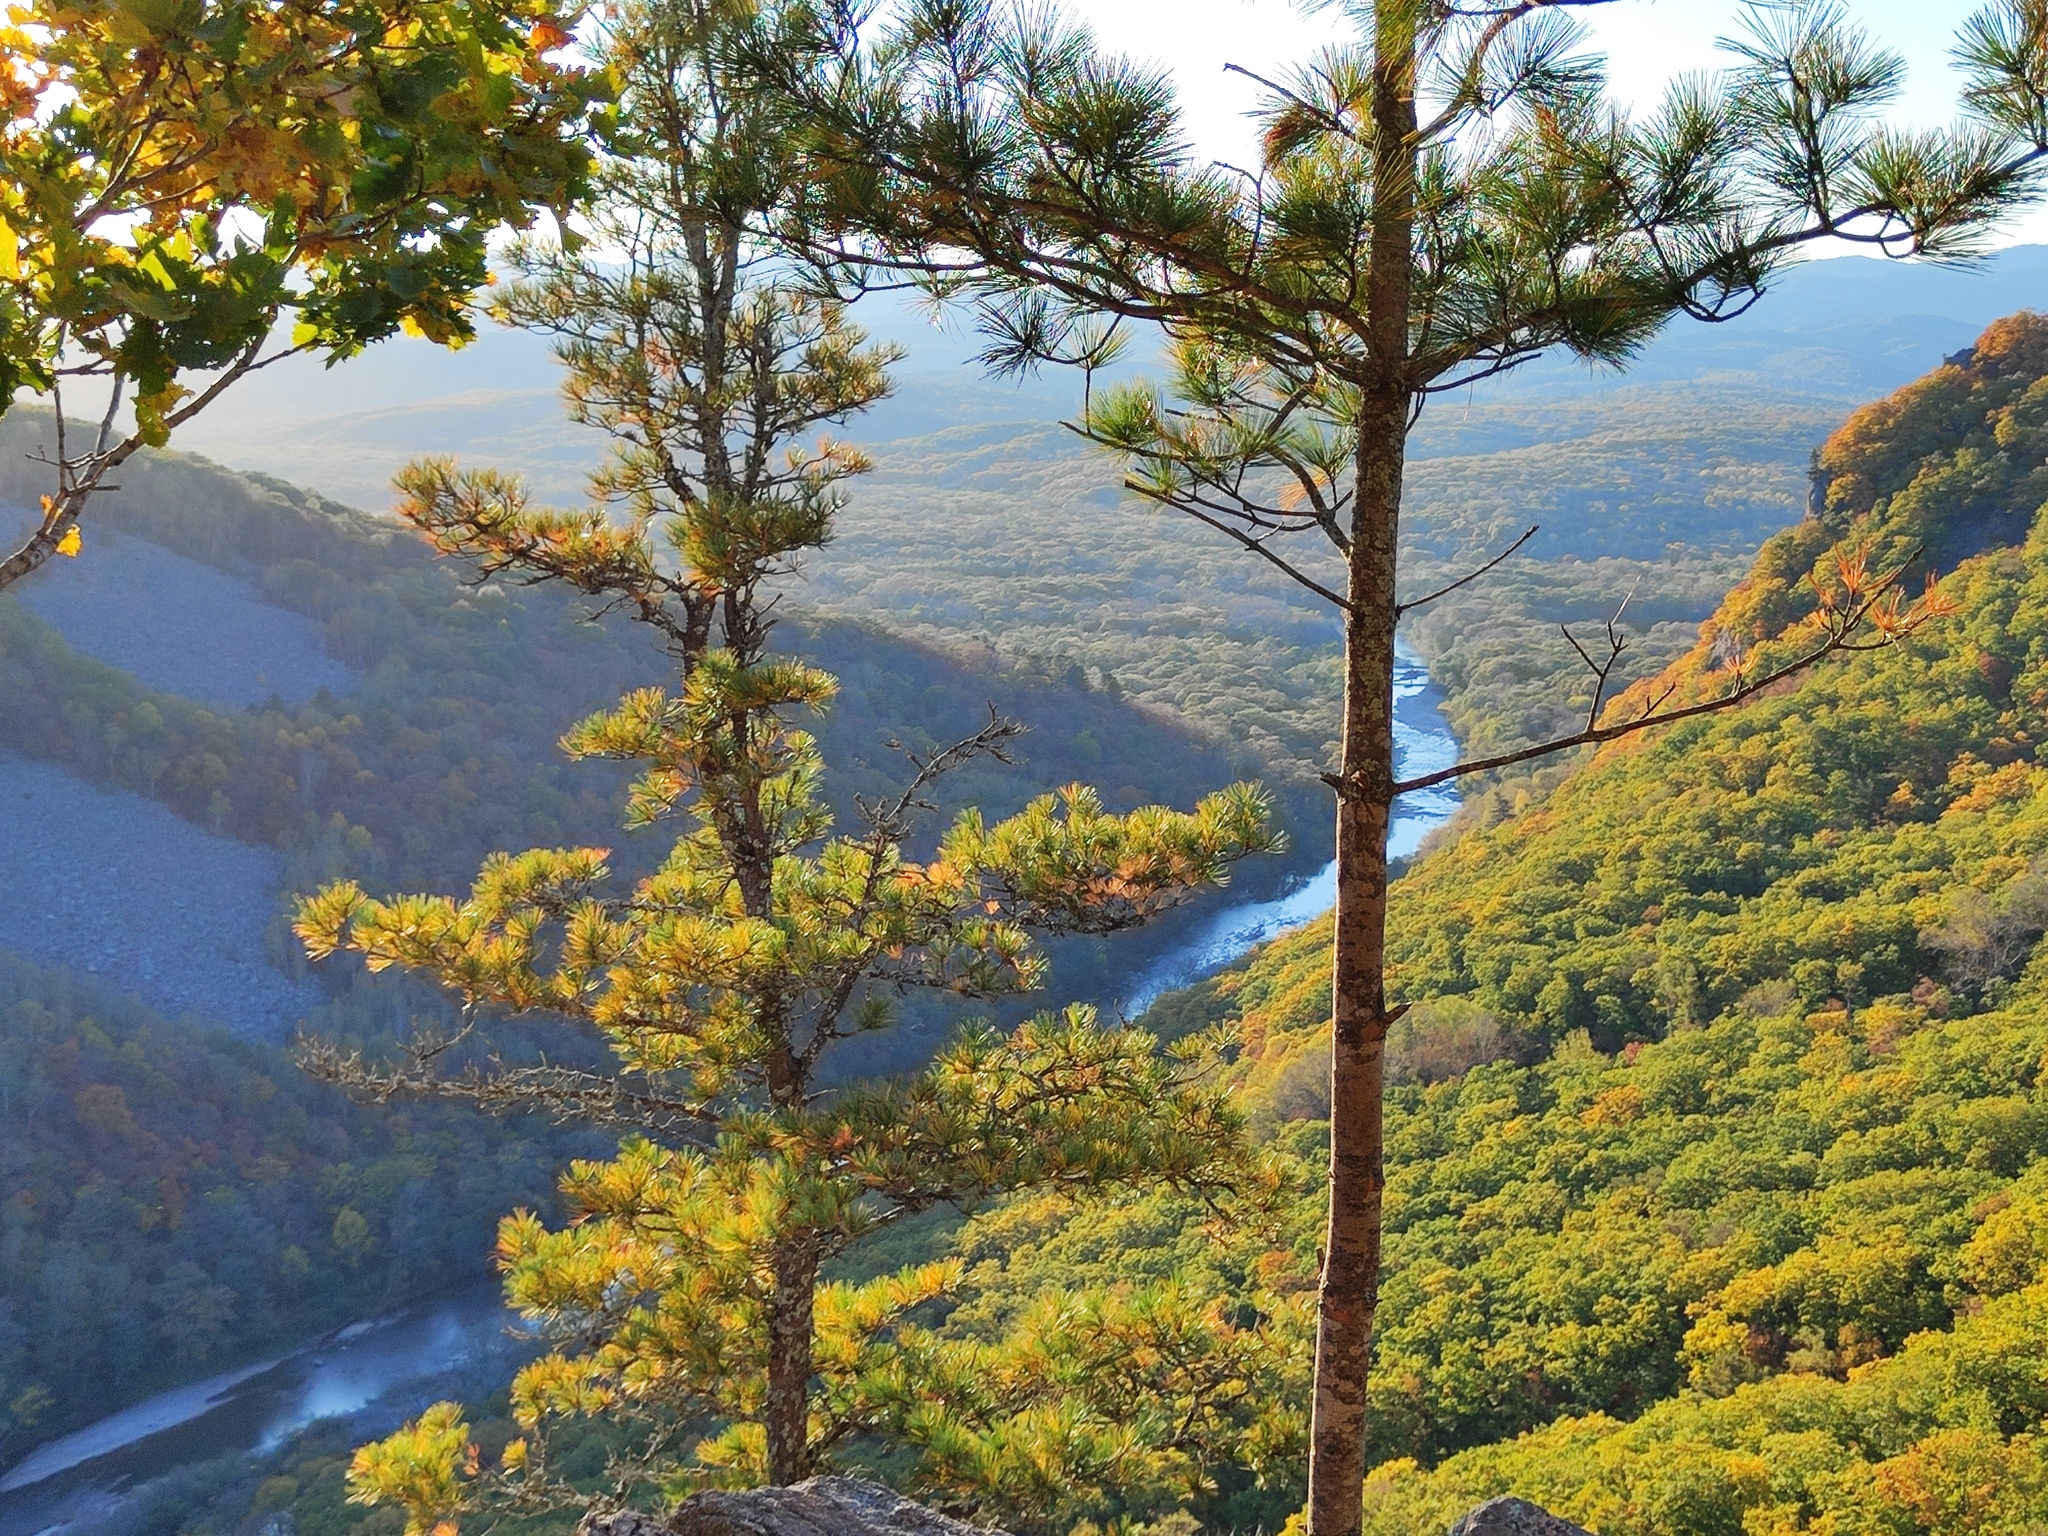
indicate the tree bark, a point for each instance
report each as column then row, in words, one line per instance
column 39, row 546
column 1348, row 1292
column 1349, row 1288
column 786, row 1413
column 34, row 552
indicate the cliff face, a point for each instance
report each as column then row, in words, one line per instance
column 1952, row 466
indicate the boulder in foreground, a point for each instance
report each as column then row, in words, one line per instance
column 820, row 1506
column 1514, row 1517
column 849, row 1506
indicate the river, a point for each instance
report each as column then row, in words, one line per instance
column 1423, row 743
column 74, row 1483
column 94, row 1473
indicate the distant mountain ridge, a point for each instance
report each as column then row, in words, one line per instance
column 1840, row 330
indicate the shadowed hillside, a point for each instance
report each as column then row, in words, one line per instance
column 284, row 672
column 116, row 886
column 178, row 1201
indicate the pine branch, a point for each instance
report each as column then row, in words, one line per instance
column 563, row 1093
column 1471, row 576
column 1238, row 535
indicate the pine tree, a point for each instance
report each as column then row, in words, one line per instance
column 1440, row 199
column 688, row 1288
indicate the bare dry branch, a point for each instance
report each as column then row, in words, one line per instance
column 1417, row 602
column 1872, row 602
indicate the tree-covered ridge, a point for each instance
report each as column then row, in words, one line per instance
column 1756, row 1247
column 1660, row 884
column 178, row 1201
column 1782, row 1270
column 1776, row 1175
column 464, row 692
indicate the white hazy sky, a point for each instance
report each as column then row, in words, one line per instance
column 1647, row 42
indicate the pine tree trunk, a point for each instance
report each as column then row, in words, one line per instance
column 786, row 1413
column 1349, row 1290
column 1348, row 1295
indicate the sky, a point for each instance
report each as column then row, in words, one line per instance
column 1647, row 43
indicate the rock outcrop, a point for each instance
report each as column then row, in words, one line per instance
column 821, row 1506
column 847, row 1506
column 1514, row 1517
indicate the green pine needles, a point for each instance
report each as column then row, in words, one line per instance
column 685, row 1299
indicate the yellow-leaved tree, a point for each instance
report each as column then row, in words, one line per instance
column 180, row 177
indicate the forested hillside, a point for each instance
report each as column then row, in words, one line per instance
column 178, row 1200
column 432, row 738
column 1721, row 1085
column 624, row 962
column 1720, row 1136
column 443, row 745
column 1717, row 1133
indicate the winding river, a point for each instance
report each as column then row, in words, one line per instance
column 74, row 1483
column 94, row 1473
column 1422, row 744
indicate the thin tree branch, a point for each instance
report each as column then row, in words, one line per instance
column 1328, row 119
column 1417, row 602
column 565, row 1093
column 1256, row 546
column 1840, row 637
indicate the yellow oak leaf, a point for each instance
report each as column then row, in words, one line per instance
column 71, row 543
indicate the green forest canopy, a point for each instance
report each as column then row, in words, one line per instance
column 177, row 1200
column 172, row 1195
column 1757, row 1245
column 1753, row 1247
